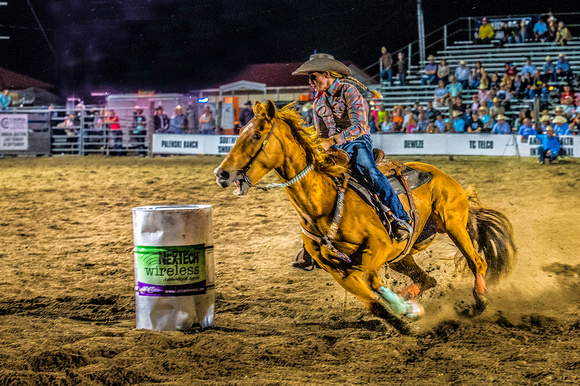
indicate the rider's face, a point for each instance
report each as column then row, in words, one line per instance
column 319, row 82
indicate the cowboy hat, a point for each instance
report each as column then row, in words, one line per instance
column 545, row 118
column 431, row 57
column 482, row 86
column 248, row 103
column 500, row 117
column 559, row 108
column 550, row 128
column 548, row 58
column 560, row 119
column 461, row 62
column 457, row 113
column 561, row 55
column 322, row 63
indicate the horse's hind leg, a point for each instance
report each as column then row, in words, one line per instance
column 421, row 279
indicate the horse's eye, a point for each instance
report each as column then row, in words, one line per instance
column 257, row 136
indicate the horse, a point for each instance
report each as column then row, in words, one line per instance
column 275, row 139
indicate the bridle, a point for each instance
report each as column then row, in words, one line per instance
column 264, row 145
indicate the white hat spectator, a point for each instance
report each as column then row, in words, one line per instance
column 560, row 119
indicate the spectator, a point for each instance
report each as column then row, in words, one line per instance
column 408, row 113
column 507, row 34
column 430, row 72
column 431, row 112
column 454, row 87
column 563, row 68
column 432, row 129
column 528, row 67
column 550, row 146
column 160, row 121
column 457, row 105
column 411, row 126
column 563, row 35
column 246, row 114
column 521, row 35
column 485, row 33
column 505, row 96
column 520, row 119
column 497, row 109
column 206, row 122
column 178, row 122
column 387, row 61
column 567, row 94
column 484, row 81
column 517, row 87
column 381, row 114
column 5, row 100
column 398, row 118
column 139, row 127
column 495, row 81
column 561, row 126
column 443, row 71
column 512, row 69
column 549, row 70
column 476, row 75
column 545, row 122
column 540, row 30
column 474, row 124
column 458, row 122
column 67, row 126
column 552, row 27
column 575, row 125
column 423, row 123
column 440, row 123
column 402, row 68
column 485, row 118
column 462, row 74
column 539, row 88
column 474, row 105
column 112, row 121
column 441, row 94
column 526, row 129
column 388, row 126
column 501, row 127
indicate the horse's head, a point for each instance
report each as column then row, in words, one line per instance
column 256, row 152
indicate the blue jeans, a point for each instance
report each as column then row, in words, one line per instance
column 542, row 153
column 365, row 170
column 402, row 78
column 388, row 75
column 428, row 80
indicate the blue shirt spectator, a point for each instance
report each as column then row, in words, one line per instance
column 5, row 100
column 440, row 124
column 540, row 27
column 526, row 129
column 458, row 122
column 550, row 146
column 501, row 127
column 562, row 64
column 454, row 87
column 528, row 67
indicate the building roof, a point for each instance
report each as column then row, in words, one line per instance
column 12, row 80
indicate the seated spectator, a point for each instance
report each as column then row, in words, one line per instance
column 524, row 113
column 381, row 113
column 540, row 31
column 430, row 72
column 545, row 123
column 485, row 118
column 539, row 88
column 178, row 122
column 443, row 71
column 440, row 123
column 561, row 126
column 474, row 124
column 550, row 147
column 526, row 129
column 528, row 67
column 501, row 127
column 387, row 61
column 411, row 125
column 483, row 95
column 505, row 96
column 517, row 87
column 567, row 95
column 497, row 109
column 484, row 82
column 398, row 118
column 388, row 126
column 563, row 69
column 512, row 69
column 476, row 75
column 423, row 123
column 431, row 112
column 454, row 87
column 474, row 105
column 495, row 81
column 458, row 105
column 462, row 74
column 549, row 70
column 485, row 33
column 563, row 35
column 575, row 125
column 458, row 122
column 441, row 94
column 372, row 123
column 521, row 34
column 431, row 129
column 508, row 34
column 552, row 27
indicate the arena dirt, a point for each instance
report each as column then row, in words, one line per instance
column 67, row 301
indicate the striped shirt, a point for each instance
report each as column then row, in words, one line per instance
column 342, row 97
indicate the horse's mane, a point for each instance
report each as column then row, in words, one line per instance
column 309, row 139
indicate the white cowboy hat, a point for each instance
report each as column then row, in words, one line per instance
column 321, row 63
column 501, row 117
column 560, row 119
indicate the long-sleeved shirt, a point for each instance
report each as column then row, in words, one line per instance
column 501, row 129
column 462, row 73
column 485, row 31
column 387, row 60
column 552, row 144
column 344, row 99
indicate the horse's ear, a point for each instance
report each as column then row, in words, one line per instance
column 258, row 109
column 270, row 110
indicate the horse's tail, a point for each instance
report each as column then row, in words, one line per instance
column 492, row 234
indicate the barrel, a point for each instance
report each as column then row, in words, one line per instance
column 174, row 267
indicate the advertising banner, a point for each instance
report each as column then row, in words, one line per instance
column 13, row 132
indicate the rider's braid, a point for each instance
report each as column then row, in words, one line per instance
column 333, row 74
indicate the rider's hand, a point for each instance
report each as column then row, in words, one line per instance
column 327, row 143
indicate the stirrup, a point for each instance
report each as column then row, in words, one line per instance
column 301, row 263
column 401, row 230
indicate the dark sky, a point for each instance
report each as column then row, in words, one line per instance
column 171, row 45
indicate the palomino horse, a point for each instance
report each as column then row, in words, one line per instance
column 276, row 140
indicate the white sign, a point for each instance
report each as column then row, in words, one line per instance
column 391, row 144
column 228, row 114
column 13, row 132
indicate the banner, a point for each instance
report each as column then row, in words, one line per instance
column 13, row 132
column 391, row 144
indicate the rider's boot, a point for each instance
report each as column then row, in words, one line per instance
column 401, row 230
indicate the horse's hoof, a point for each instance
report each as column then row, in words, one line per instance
column 415, row 310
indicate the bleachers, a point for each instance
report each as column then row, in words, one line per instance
column 492, row 58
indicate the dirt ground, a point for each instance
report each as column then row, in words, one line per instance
column 67, row 299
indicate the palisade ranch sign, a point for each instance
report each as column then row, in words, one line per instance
column 13, row 132
column 391, row 144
